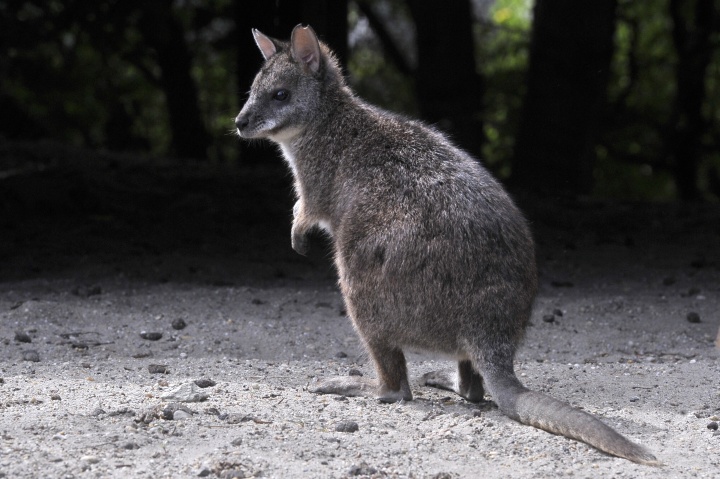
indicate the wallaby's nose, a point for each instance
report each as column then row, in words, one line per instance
column 242, row 121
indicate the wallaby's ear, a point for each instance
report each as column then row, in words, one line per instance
column 265, row 44
column 305, row 48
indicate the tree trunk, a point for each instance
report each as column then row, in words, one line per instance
column 570, row 54
column 693, row 23
column 165, row 35
column 329, row 20
column 448, row 88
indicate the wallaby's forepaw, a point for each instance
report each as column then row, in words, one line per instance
column 300, row 243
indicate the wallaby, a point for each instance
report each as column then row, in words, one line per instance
column 430, row 250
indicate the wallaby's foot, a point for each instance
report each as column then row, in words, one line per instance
column 441, row 380
column 466, row 382
column 346, row 386
column 448, row 381
column 360, row 386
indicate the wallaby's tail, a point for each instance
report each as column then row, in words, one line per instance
column 542, row 411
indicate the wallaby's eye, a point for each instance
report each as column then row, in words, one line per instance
column 281, row 95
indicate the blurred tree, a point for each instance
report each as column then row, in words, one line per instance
column 616, row 97
column 449, row 90
column 660, row 137
column 89, row 52
column 570, row 53
column 164, row 34
column 694, row 21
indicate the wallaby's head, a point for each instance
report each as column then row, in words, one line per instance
column 289, row 90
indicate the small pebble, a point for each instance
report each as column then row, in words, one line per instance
column 204, row 472
column 123, row 411
column 144, row 354
column 355, row 372
column 131, row 445
column 713, row 426
column 180, row 415
column 150, row 336
column 340, row 355
column 55, row 397
column 90, row 459
column 31, row 355
column 171, row 411
column 205, row 383
column 97, row 412
column 86, row 291
column 22, row 337
column 693, row 317
column 158, row 369
column 237, row 442
column 634, row 399
column 178, row 324
column 362, row 470
column 549, row 318
column 188, row 392
column 699, row 263
column 347, row 426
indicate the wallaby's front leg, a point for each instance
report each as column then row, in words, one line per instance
column 300, row 228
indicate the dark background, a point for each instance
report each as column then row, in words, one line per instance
column 573, row 97
column 116, row 116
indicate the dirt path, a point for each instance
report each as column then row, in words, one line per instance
column 107, row 250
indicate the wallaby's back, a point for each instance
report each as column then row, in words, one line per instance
column 430, row 250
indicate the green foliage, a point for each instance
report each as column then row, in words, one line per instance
column 209, row 26
column 642, row 97
column 81, row 72
column 69, row 69
column 503, row 40
column 371, row 73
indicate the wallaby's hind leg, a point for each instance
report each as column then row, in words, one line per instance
column 467, row 383
column 392, row 384
column 471, row 386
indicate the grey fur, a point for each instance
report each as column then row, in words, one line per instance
column 430, row 250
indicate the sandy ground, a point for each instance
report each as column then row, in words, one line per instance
column 97, row 252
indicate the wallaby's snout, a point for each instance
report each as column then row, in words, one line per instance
column 242, row 121
column 251, row 122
